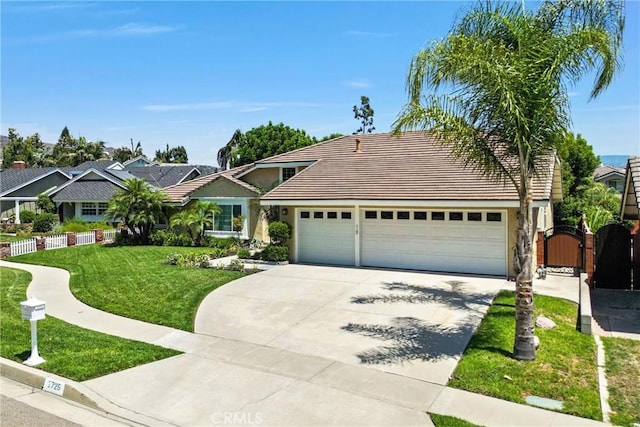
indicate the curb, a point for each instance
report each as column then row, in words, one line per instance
column 77, row 393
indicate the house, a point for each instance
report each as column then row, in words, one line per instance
column 20, row 187
column 610, row 176
column 630, row 207
column 86, row 195
column 378, row 200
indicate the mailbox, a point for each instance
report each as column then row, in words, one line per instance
column 33, row 309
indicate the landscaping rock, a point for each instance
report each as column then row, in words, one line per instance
column 536, row 341
column 545, row 323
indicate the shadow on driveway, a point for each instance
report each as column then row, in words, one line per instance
column 409, row 339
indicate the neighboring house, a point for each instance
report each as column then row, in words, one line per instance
column 630, row 209
column 20, row 187
column 397, row 202
column 83, row 191
column 610, row 176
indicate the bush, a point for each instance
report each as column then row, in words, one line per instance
column 279, row 232
column 45, row 204
column 124, row 239
column 188, row 260
column 44, row 222
column 275, row 253
column 158, row 237
column 27, row 216
column 244, row 253
column 217, row 242
column 235, row 265
column 77, row 225
column 178, row 240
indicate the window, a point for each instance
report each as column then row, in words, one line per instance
column 224, row 220
column 420, row 216
column 386, row 215
column 89, row 208
column 371, row 214
column 288, row 173
column 304, row 214
column 403, row 215
column 437, row 216
column 474, row 216
column 494, row 216
column 332, row 215
column 345, row 215
column 318, row 215
column 102, row 207
column 455, row 216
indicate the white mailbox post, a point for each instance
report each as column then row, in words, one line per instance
column 33, row 310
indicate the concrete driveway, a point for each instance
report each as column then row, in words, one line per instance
column 408, row 323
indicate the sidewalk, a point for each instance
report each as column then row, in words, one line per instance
column 217, row 377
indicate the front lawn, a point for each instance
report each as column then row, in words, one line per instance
column 135, row 282
column 622, row 358
column 447, row 421
column 69, row 350
column 565, row 368
column 4, row 237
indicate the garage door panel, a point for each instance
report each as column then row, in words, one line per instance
column 326, row 240
column 441, row 245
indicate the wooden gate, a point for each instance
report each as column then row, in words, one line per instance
column 612, row 257
column 564, row 247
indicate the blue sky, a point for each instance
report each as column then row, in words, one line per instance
column 190, row 73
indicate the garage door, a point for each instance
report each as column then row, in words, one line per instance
column 451, row 241
column 326, row 236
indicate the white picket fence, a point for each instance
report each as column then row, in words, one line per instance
column 86, row 238
column 22, row 247
column 108, row 235
column 56, row 242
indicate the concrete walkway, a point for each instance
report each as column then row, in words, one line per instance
column 224, row 381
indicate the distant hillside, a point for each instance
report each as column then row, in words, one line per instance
column 617, row 161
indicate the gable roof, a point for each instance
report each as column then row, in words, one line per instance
column 14, row 179
column 604, row 172
column 631, row 196
column 180, row 193
column 98, row 164
column 81, row 189
column 412, row 166
column 144, row 159
column 163, row 176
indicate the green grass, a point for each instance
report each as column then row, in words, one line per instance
column 447, row 421
column 623, row 376
column 11, row 238
column 134, row 281
column 565, row 368
column 69, row 350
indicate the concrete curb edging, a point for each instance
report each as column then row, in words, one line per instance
column 75, row 392
column 585, row 305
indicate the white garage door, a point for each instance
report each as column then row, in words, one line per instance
column 451, row 241
column 326, row 236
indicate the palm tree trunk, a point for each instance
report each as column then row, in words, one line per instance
column 524, row 345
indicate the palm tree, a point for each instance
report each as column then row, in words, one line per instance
column 225, row 154
column 195, row 219
column 138, row 206
column 507, row 70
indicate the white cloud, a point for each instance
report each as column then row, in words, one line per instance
column 130, row 29
column 358, row 83
column 244, row 107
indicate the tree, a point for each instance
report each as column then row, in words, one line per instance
column 28, row 150
column 578, row 162
column 262, row 142
column 71, row 151
column 195, row 219
column 45, row 204
column 507, row 70
column 364, row 114
column 138, row 206
column 124, row 153
column 330, row 136
column 172, row 155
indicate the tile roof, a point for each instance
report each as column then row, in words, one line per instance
column 11, row 178
column 162, row 176
column 86, row 190
column 180, row 192
column 413, row 166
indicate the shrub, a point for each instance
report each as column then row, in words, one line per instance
column 275, row 253
column 235, row 265
column 44, row 222
column 178, row 240
column 77, row 225
column 123, row 239
column 27, row 216
column 279, row 232
column 244, row 253
column 158, row 237
column 45, row 204
column 188, row 260
column 216, row 242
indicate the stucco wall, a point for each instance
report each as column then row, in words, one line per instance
column 266, row 178
column 222, row 188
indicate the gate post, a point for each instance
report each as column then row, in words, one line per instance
column 540, row 249
column 636, row 260
column 588, row 255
